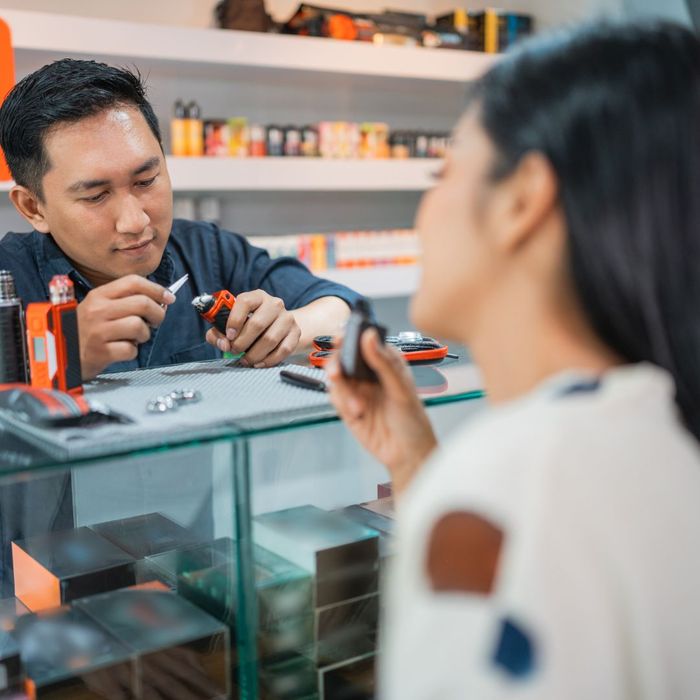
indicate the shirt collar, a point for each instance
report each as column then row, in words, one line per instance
column 51, row 261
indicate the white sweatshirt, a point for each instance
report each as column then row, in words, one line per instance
column 597, row 591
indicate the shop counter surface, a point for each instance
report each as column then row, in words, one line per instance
column 236, row 402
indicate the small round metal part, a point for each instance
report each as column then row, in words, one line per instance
column 410, row 337
column 161, row 404
column 185, row 396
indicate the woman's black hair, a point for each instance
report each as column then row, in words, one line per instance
column 616, row 111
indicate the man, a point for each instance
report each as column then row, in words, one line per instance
column 85, row 150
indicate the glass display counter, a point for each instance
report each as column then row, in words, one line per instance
column 241, row 561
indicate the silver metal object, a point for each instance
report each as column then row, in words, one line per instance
column 161, row 404
column 202, row 302
column 8, row 292
column 173, row 400
column 410, row 337
column 176, row 285
column 185, row 396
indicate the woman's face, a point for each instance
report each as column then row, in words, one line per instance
column 456, row 222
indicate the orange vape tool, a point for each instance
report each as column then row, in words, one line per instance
column 215, row 308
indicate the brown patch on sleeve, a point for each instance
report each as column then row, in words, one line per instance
column 463, row 554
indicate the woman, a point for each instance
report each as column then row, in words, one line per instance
column 551, row 549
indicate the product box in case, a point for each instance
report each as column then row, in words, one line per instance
column 346, row 630
column 207, row 576
column 10, row 610
column 295, row 678
column 341, row 554
column 66, row 654
column 145, row 535
column 383, row 525
column 59, row 567
column 11, row 670
column 176, row 643
column 350, row 680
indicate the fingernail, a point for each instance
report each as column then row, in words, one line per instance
column 168, row 297
column 260, row 365
column 231, row 333
column 222, row 345
column 243, row 363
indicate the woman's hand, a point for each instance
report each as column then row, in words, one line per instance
column 387, row 418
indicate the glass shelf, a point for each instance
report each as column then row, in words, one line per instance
column 256, row 549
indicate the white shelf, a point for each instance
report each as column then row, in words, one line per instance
column 300, row 174
column 53, row 35
column 377, row 282
column 296, row 175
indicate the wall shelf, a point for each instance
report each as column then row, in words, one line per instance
column 296, row 175
column 378, row 282
column 49, row 36
column 300, row 174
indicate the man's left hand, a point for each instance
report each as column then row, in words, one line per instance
column 260, row 326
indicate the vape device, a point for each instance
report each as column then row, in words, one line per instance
column 13, row 348
column 352, row 364
column 215, row 308
column 52, row 337
column 53, row 569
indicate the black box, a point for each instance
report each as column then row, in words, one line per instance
column 342, row 555
column 66, row 654
column 146, row 535
column 59, row 567
column 173, row 639
column 11, row 670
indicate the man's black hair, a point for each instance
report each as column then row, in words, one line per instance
column 62, row 92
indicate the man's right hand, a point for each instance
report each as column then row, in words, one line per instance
column 115, row 318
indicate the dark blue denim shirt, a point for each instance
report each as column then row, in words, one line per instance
column 215, row 259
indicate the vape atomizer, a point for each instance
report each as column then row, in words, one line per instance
column 54, row 344
column 13, row 348
column 215, row 308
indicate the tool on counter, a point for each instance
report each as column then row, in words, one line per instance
column 52, row 337
column 303, row 381
column 13, row 340
column 215, row 308
column 55, row 409
column 413, row 346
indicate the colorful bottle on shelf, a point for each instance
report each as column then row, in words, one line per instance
column 178, row 130
column 195, row 130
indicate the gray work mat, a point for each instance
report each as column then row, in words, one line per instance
column 233, row 398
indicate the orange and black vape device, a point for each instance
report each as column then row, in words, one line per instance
column 52, row 339
column 215, row 308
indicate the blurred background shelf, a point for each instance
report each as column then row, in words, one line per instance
column 300, row 174
column 207, row 50
column 382, row 281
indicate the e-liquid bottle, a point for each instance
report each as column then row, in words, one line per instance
column 195, row 130
column 178, row 130
column 13, row 349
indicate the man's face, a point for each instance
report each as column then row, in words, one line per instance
column 107, row 195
